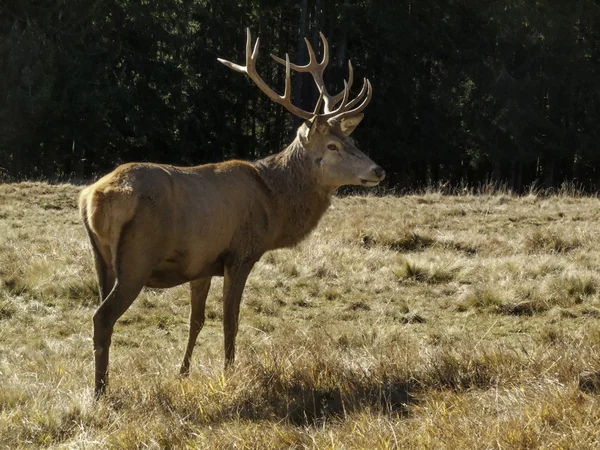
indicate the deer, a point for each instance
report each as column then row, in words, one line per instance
column 160, row 226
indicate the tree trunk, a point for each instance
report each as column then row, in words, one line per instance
column 343, row 41
column 516, row 175
column 519, row 179
column 513, row 174
column 319, row 16
column 299, row 52
column 78, row 167
column 16, row 168
column 496, row 172
column 549, row 173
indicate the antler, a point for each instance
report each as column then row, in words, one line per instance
column 250, row 69
column 316, row 69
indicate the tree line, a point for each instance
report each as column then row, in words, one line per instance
column 465, row 91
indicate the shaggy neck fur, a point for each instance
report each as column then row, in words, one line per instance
column 299, row 197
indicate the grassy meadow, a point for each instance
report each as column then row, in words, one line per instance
column 423, row 321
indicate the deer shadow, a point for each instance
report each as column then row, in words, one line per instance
column 300, row 405
column 293, row 401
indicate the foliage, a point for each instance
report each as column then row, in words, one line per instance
column 465, row 91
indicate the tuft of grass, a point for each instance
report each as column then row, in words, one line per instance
column 484, row 297
column 332, row 293
column 359, row 305
column 433, row 273
column 522, row 308
column 402, row 307
column 552, row 334
column 460, row 371
column 570, row 289
column 402, row 242
column 8, row 306
column 551, row 241
column 412, row 318
column 462, row 247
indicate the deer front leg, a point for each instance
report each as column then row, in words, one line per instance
column 235, row 277
column 199, row 292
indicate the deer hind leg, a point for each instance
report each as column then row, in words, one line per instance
column 105, row 272
column 104, row 269
column 235, row 277
column 199, row 292
column 133, row 265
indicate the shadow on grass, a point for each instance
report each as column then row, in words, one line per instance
column 268, row 398
column 590, row 382
column 301, row 405
column 318, row 391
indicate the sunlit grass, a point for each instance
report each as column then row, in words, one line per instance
column 423, row 321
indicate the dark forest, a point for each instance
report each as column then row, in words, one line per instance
column 465, row 92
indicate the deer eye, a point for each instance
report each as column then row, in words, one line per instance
column 332, row 147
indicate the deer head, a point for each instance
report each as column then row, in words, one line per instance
column 324, row 136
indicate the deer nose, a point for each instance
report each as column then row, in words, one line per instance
column 379, row 172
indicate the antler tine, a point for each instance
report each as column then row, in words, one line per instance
column 312, row 58
column 325, row 60
column 251, row 54
column 360, row 95
column 316, row 69
column 288, row 82
column 319, row 103
column 343, row 105
column 250, row 70
column 312, row 63
column 359, row 108
column 341, row 110
column 338, row 97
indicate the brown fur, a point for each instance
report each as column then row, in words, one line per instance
column 161, row 226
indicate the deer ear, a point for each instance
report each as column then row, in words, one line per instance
column 348, row 124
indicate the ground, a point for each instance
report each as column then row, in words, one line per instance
column 422, row 321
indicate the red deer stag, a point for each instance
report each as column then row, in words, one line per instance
column 162, row 226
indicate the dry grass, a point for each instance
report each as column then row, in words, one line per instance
column 414, row 322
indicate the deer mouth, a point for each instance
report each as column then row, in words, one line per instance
column 369, row 183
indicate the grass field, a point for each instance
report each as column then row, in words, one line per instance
column 423, row 321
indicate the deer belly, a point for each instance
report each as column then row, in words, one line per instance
column 171, row 273
column 167, row 274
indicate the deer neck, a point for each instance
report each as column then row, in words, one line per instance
column 299, row 197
